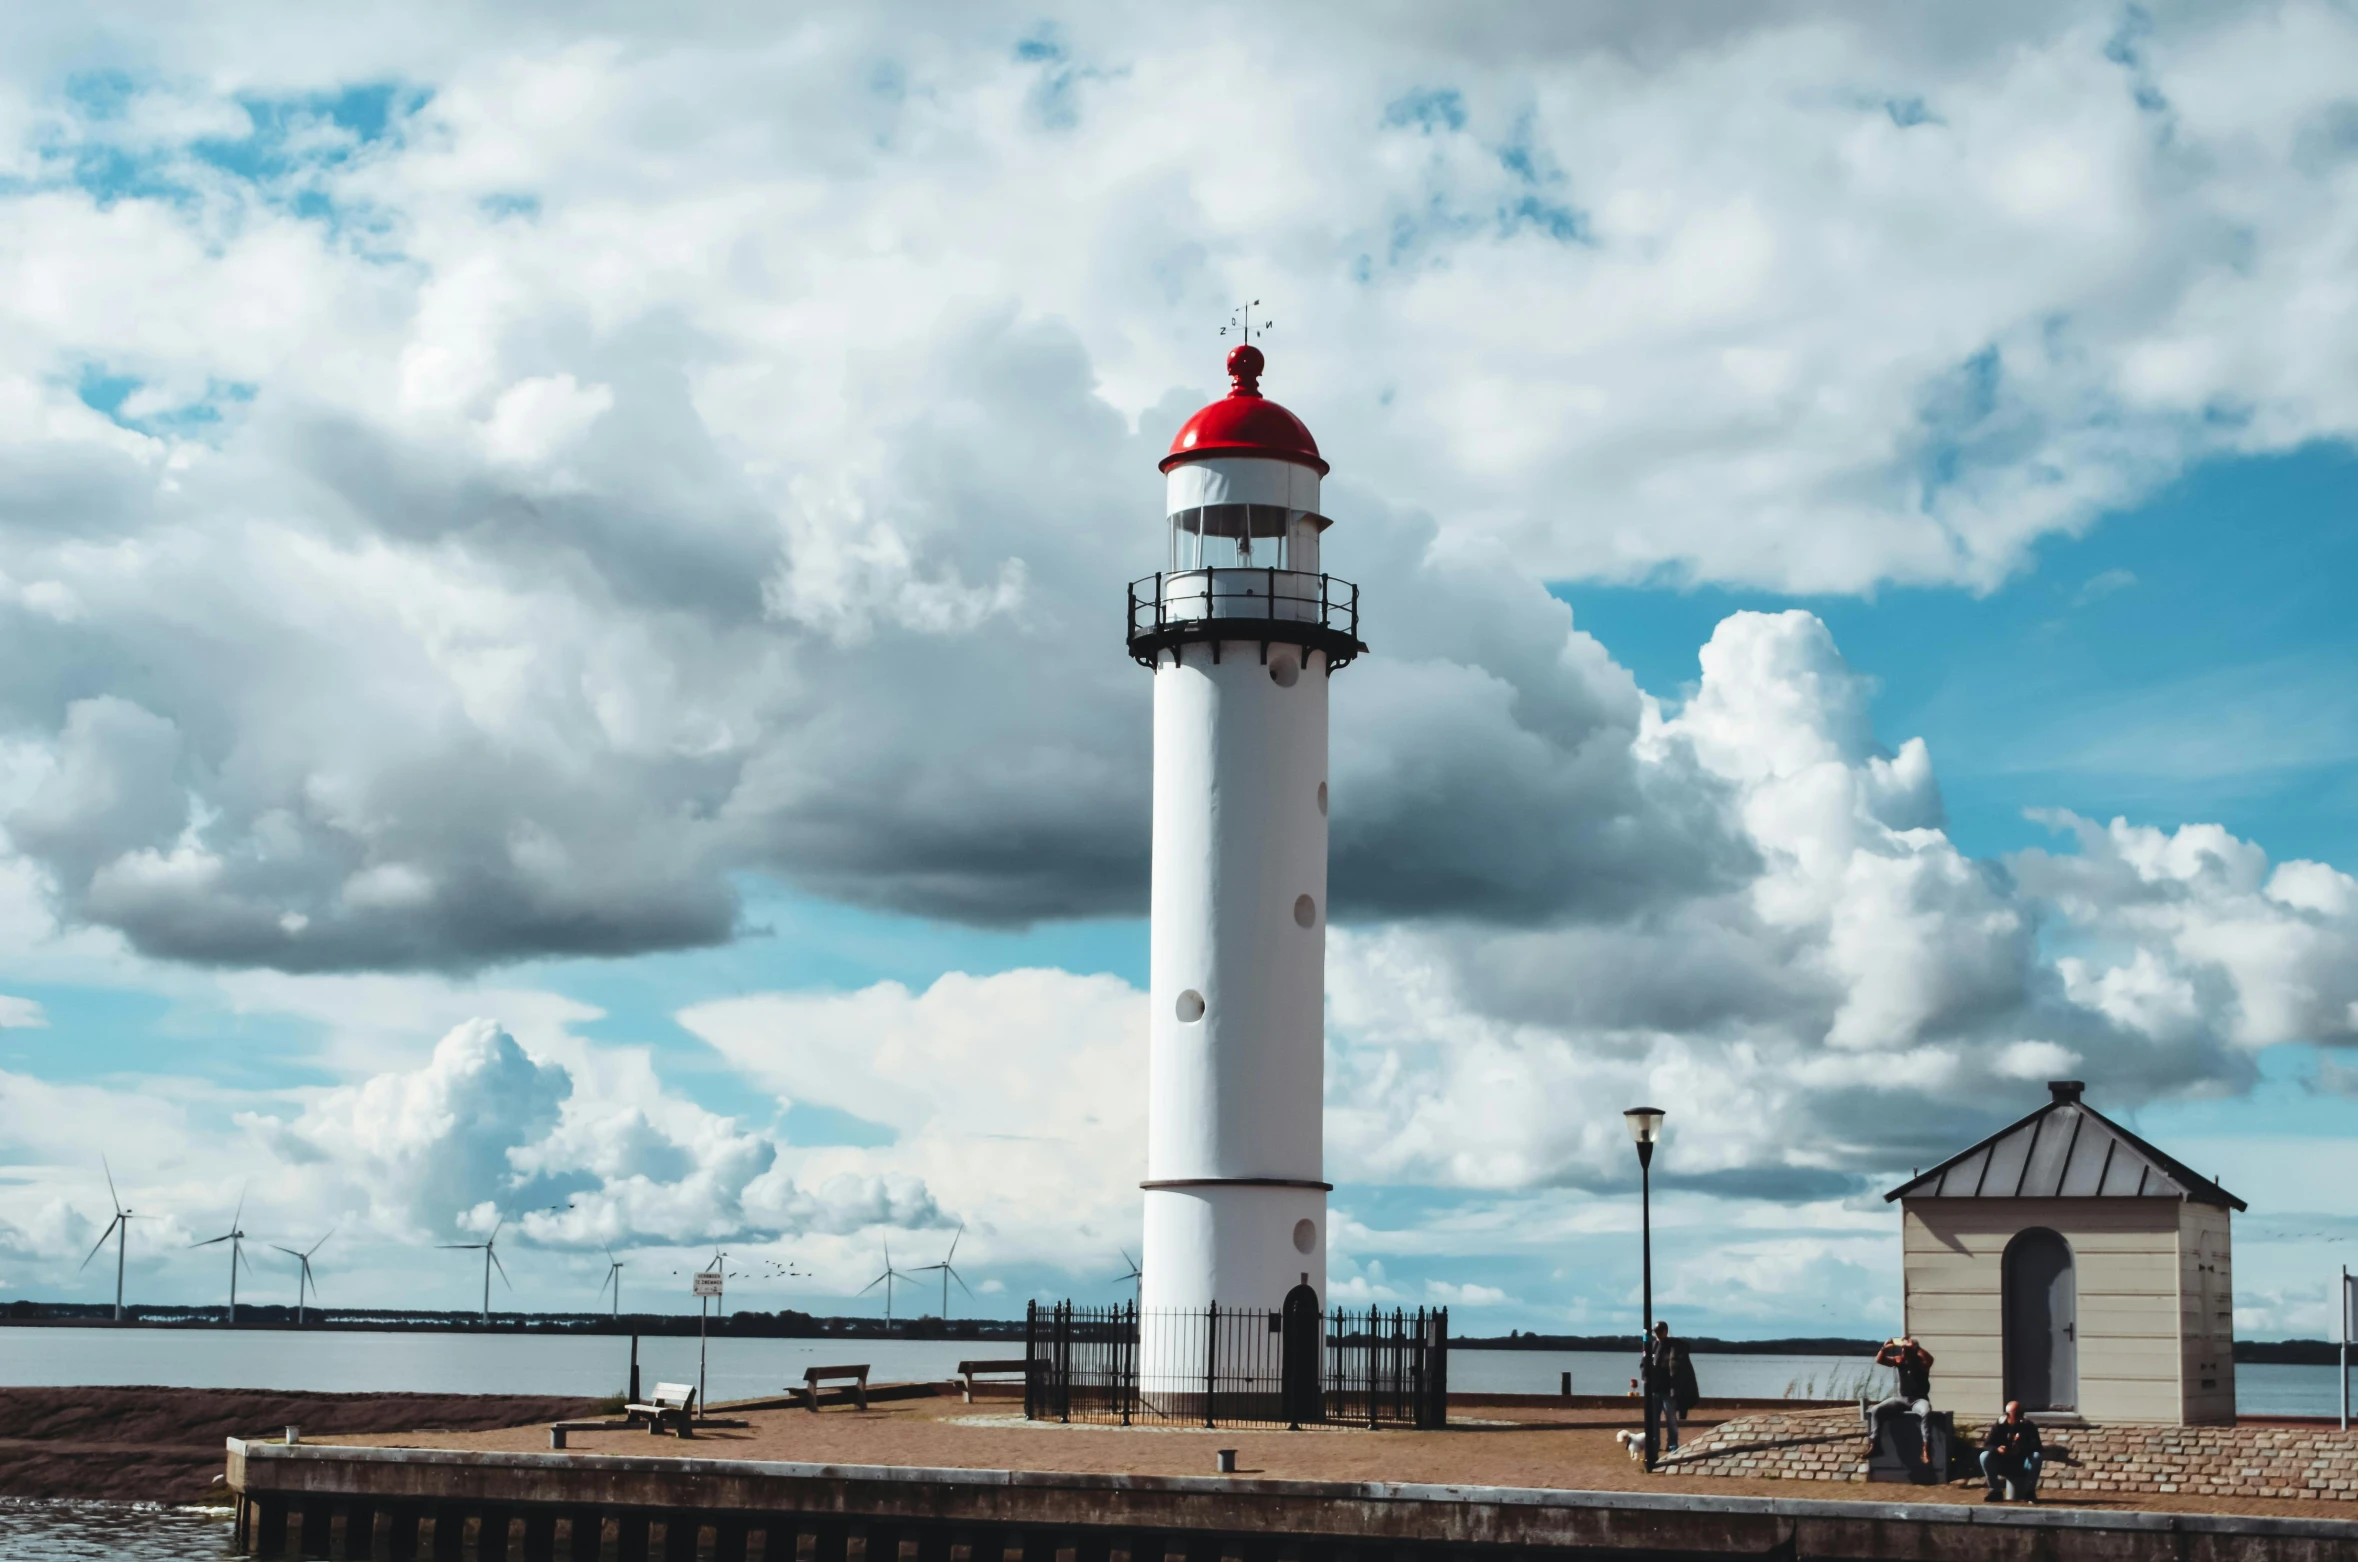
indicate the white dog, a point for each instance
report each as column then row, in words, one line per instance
column 1634, row 1443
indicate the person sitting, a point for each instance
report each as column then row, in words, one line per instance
column 2011, row 1456
column 1913, row 1363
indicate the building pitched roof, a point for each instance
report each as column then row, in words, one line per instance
column 2066, row 1149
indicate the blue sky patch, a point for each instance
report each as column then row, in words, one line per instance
column 1428, row 109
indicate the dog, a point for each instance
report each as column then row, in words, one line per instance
column 1634, row 1444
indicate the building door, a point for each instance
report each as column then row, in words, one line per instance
column 2041, row 1322
column 1301, row 1366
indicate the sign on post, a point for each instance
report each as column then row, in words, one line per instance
column 707, row 1283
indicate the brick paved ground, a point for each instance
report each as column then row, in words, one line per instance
column 1487, row 1445
column 2309, row 1463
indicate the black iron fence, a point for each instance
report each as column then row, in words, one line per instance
column 1317, row 612
column 1232, row 1366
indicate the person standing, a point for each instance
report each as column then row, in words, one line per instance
column 1668, row 1373
column 2011, row 1456
column 1913, row 1364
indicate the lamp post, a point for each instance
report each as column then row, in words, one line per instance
column 1645, row 1127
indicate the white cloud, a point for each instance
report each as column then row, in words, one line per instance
column 1866, row 1000
column 1446, row 1294
column 1016, row 1098
column 582, row 1153
column 536, row 419
column 21, row 1014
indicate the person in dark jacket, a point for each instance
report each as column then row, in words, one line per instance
column 1668, row 1373
column 2011, row 1456
column 1913, row 1365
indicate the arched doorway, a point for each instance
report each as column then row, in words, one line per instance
column 2041, row 1320
column 1301, row 1365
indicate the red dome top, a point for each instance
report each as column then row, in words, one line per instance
column 1245, row 423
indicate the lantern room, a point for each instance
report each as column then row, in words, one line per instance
column 1243, row 529
column 1241, row 482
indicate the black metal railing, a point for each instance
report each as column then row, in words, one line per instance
column 1219, row 1366
column 1172, row 608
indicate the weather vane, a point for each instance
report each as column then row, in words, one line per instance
column 1240, row 324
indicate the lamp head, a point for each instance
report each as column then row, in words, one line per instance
column 1645, row 1124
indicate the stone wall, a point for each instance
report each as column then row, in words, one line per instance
column 2315, row 1462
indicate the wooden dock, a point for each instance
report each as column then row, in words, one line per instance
column 450, row 1505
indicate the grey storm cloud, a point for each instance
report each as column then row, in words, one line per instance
column 933, row 712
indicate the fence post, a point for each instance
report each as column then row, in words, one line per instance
column 1031, row 1356
column 1437, row 1366
column 1064, row 1361
column 1126, row 1358
column 1211, row 1358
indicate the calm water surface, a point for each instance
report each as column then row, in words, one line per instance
column 742, row 1369
column 111, row 1532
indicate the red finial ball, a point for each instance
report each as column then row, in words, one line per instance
column 1244, row 369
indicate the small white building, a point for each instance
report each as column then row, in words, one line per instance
column 2067, row 1263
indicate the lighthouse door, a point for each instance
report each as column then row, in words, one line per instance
column 1304, row 1344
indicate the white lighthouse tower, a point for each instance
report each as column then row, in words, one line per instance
column 1242, row 631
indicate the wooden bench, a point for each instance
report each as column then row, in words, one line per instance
column 970, row 1370
column 812, row 1377
column 671, row 1402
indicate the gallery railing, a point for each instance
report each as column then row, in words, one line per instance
column 1273, row 606
column 1221, row 1366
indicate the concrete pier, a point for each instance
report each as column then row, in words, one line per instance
column 408, row 1504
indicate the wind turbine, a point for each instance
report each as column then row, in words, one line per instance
column 235, row 1236
column 120, row 1229
column 885, row 1279
column 948, row 1274
column 490, row 1261
column 1135, row 1276
column 614, row 1279
column 304, row 1281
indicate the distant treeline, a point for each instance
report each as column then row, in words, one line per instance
column 778, row 1325
column 2301, row 1353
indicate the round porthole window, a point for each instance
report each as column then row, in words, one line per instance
column 1305, row 911
column 1284, row 671
column 1191, row 1006
column 1305, row 1235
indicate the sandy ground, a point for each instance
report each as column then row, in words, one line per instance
column 164, row 1444
column 1567, row 1449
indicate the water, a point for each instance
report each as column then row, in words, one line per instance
column 2261, row 1388
column 111, row 1532
column 1609, row 1372
column 360, row 1362
column 594, row 1366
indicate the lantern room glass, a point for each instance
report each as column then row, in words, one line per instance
column 1245, row 536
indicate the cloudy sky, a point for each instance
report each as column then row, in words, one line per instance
column 560, row 601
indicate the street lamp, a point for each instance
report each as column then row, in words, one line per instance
column 1645, row 1126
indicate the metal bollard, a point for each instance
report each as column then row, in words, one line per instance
column 1227, row 1461
column 294, row 1435
column 1567, row 1385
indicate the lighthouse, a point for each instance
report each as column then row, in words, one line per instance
column 1242, row 629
